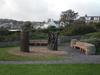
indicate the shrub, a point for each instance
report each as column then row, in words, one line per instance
column 38, row 35
column 96, row 26
column 9, row 36
column 91, row 35
column 50, row 29
column 77, row 30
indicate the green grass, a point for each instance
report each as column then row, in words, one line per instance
column 59, row 69
column 5, row 56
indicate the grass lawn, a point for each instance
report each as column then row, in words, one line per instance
column 62, row 69
column 5, row 56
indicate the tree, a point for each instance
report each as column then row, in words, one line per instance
column 68, row 16
column 26, row 27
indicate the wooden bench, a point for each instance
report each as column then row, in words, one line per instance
column 38, row 43
column 84, row 47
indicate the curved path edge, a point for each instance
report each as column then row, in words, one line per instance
column 50, row 62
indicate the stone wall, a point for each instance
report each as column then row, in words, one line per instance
column 64, row 39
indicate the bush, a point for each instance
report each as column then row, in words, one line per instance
column 50, row 29
column 77, row 30
column 3, row 31
column 38, row 35
column 96, row 26
column 9, row 36
column 91, row 35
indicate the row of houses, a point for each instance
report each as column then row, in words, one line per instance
column 43, row 25
column 17, row 25
column 88, row 19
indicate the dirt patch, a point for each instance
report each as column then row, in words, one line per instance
column 37, row 51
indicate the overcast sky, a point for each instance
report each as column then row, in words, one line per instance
column 40, row 10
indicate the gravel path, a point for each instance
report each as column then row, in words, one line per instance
column 75, row 58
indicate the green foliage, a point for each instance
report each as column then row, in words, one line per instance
column 98, row 51
column 96, row 26
column 38, row 35
column 3, row 31
column 68, row 16
column 91, row 35
column 43, row 33
column 6, row 35
column 9, row 36
column 50, row 29
column 77, row 30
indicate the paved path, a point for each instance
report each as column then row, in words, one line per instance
column 79, row 57
column 75, row 57
column 68, row 61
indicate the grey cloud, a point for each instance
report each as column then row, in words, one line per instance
column 44, row 9
column 2, row 2
column 32, row 8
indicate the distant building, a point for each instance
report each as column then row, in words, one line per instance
column 37, row 25
column 88, row 19
column 11, row 25
column 49, row 23
column 63, row 24
column 14, row 30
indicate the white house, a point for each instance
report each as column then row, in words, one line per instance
column 89, row 19
column 49, row 23
column 63, row 24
